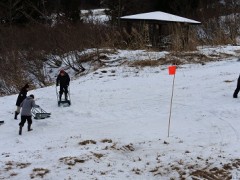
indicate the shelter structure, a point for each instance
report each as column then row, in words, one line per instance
column 158, row 27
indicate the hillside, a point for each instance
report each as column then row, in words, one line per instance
column 117, row 126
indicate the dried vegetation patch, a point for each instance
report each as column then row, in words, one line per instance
column 179, row 58
column 145, row 63
column 71, row 161
column 106, row 141
column 87, row 142
column 39, row 172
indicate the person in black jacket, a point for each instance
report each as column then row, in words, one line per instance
column 235, row 94
column 21, row 96
column 63, row 79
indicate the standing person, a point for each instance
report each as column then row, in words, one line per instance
column 235, row 94
column 26, row 114
column 21, row 96
column 63, row 79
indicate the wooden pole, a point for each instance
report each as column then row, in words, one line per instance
column 171, row 106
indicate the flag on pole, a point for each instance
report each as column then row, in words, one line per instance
column 172, row 70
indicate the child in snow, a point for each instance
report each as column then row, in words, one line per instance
column 26, row 114
column 21, row 96
column 63, row 79
column 235, row 94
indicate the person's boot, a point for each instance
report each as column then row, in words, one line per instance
column 16, row 114
column 20, row 130
column 235, row 95
column 29, row 128
column 66, row 98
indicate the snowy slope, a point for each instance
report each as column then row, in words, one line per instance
column 124, row 112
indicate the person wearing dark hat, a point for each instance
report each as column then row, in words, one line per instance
column 26, row 114
column 63, row 79
column 235, row 94
column 21, row 96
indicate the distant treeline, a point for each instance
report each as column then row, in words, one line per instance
column 43, row 11
column 28, row 11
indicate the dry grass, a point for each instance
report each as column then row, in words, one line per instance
column 178, row 58
column 98, row 155
column 71, row 161
column 212, row 174
column 23, row 165
column 228, row 81
column 13, row 174
column 106, row 141
column 39, row 172
column 145, row 63
column 87, row 142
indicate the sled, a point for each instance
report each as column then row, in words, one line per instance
column 39, row 113
column 66, row 102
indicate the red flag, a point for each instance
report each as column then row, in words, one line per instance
column 172, row 70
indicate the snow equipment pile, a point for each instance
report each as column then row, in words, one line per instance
column 39, row 113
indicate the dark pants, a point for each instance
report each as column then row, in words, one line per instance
column 63, row 89
column 237, row 89
column 24, row 119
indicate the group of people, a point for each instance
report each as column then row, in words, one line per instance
column 25, row 103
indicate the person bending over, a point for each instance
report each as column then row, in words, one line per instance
column 26, row 114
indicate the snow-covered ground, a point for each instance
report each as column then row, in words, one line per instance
column 117, row 127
